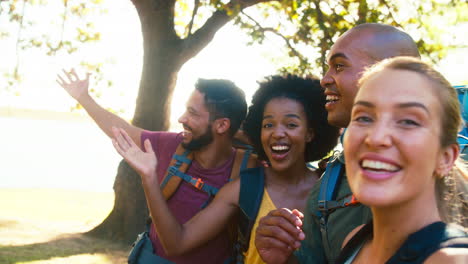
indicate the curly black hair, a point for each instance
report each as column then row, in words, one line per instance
column 306, row 91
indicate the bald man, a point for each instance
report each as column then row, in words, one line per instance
column 322, row 232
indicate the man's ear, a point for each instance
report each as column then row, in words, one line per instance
column 222, row 125
column 447, row 158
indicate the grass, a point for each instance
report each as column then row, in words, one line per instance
column 39, row 226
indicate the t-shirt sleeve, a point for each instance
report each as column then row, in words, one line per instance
column 164, row 145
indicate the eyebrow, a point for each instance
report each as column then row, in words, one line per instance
column 287, row 115
column 191, row 109
column 337, row 55
column 400, row 105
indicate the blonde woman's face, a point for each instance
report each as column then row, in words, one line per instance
column 392, row 145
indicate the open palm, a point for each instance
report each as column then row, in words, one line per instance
column 74, row 86
column 143, row 162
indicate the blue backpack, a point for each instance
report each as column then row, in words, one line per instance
column 462, row 138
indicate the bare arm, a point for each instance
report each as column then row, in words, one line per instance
column 78, row 89
column 449, row 256
column 176, row 238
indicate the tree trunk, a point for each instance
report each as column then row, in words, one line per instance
column 159, row 75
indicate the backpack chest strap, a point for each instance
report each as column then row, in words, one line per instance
column 196, row 182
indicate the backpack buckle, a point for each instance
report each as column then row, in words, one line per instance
column 322, row 205
column 353, row 201
column 199, row 184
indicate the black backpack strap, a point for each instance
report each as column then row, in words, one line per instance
column 354, row 245
column 252, row 184
column 423, row 243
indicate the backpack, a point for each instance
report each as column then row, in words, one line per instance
column 327, row 204
column 462, row 138
column 181, row 160
column 142, row 249
column 252, row 182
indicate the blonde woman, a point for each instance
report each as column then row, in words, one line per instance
column 400, row 150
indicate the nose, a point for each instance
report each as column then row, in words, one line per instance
column 278, row 132
column 379, row 135
column 326, row 80
column 182, row 119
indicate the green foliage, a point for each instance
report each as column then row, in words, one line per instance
column 50, row 27
column 307, row 27
column 316, row 24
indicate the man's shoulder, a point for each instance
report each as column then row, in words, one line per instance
column 161, row 137
column 164, row 143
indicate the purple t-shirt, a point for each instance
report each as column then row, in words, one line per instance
column 187, row 200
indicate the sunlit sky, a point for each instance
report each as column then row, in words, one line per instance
column 227, row 56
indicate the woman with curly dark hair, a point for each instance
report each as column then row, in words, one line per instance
column 287, row 124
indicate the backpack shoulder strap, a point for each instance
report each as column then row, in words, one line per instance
column 354, row 245
column 422, row 244
column 244, row 159
column 462, row 142
column 328, row 190
column 328, row 185
column 181, row 161
column 252, row 182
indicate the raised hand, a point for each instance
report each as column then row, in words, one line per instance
column 143, row 162
column 278, row 234
column 74, row 86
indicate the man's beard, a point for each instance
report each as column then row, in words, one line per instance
column 201, row 141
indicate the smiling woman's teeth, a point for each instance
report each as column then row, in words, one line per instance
column 378, row 165
column 279, row 148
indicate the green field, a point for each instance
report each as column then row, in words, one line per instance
column 39, row 226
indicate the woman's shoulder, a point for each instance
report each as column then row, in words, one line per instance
column 449, row 256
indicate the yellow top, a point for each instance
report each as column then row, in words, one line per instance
column 252, row 256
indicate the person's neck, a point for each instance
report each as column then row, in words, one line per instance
column 392, row 226
column 291, row 176
column 214, row 154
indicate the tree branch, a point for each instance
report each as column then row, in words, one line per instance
column 157, row 15
column 363, row 9
column 194, row 43
column 384, row 2
column 326, row 35
column 274, row 31
column 194, row 13
column 52, row 49
column 19, row 40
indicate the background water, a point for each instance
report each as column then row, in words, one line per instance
column 52, row 153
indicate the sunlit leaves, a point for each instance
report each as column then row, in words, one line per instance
column 318, row 23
